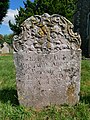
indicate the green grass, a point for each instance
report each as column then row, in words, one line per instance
column 11, row 110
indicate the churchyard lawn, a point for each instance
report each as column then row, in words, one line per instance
column 11, row 110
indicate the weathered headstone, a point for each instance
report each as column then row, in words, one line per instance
column 5, row 48
column 47, row 59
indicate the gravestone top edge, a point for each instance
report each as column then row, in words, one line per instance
column 41, row 33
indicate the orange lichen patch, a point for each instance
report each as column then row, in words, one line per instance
column 40, row 32
column 71, row 93
column 48, row 45
column 44, row 29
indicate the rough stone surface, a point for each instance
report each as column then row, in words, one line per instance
column 47, row 58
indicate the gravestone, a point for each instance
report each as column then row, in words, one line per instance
column 47, row 58
column 5, row 48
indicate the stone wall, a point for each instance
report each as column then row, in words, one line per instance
column 47, row 58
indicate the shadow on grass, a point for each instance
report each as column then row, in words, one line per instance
column 85, row 98
column 9, row 95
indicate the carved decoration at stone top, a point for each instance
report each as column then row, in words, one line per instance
column 46, row 33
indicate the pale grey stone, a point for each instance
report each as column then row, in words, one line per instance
column 5, row 48
column 47, row 66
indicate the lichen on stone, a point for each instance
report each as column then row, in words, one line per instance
column 46, row 30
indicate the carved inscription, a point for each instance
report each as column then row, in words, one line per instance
column 47, row 58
